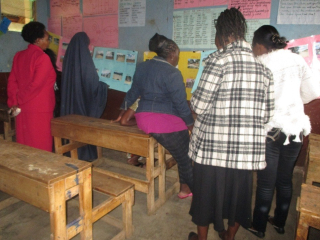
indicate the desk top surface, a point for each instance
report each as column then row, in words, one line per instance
column 38, row 164
column 98, row 123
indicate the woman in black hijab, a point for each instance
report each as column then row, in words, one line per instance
column 81, row 91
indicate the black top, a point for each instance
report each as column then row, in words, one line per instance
column 81, row 91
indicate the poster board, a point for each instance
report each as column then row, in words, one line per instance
column 115, row 67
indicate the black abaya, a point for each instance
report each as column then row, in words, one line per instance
column 81, row 91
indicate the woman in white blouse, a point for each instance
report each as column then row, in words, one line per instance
column 294, row 85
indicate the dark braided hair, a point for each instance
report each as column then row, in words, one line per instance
column 230, row 23
column 32, row 31
column 269, row 37
column 162, row 46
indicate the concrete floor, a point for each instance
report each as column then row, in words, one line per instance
column 171, row 221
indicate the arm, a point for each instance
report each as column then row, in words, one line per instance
column 126, row 118
column 42, row 68
column 269, row 98
column 133, row 94
column 310, row 88
column 203, row 98
column 12, row 87
column 178, row 96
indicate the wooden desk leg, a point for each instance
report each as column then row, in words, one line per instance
column 303, row 228
column 150, row 178
column 57, row 145
column 74, row 152
column 162, row 176
column 85, row 203
column 58, row 211
column 127, row 212
column 99, row 151
column 7, row 129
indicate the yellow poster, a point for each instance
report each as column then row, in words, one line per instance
column 188, row 64
column 148, row 55
column 54, row 42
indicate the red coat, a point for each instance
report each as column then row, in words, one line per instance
column 30, row 87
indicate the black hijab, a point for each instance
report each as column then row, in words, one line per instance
column 81, row 91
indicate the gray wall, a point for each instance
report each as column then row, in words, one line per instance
column 159, row 16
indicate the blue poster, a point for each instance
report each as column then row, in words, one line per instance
column 115, row 67
column 204, row 55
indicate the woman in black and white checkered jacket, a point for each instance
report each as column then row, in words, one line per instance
column 233, row 102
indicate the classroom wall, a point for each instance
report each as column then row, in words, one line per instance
column 159, row 17
column 12, row 42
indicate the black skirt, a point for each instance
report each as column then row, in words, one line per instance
column 221, row 193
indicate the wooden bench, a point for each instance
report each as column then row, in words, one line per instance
column 81, row 130
column 312, row 163
column 46, row 180
column 308, row 207
column 120, row 193
column 7, row 119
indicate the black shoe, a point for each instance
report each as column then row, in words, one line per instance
column 255, row 232
column 191, row 234
column 279, row 230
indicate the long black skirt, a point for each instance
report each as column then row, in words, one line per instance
column 221, row 193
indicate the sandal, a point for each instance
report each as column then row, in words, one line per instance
column 185, row 196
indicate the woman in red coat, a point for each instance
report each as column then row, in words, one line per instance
column 30, row 89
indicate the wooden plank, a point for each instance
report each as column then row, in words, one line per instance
column 58, row 211
column 68, row 147
column 127, row 213
column 310, row 199
column 103, row 124
column 85, row 203
column 101, row 133
column 75, row 227
column 107, row 184
column 37, row 164
column 24, row 188
column 314, row 137
column 104, row 208
column 312, row 174
column 139, row 185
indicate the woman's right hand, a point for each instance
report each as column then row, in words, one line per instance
column 119, row 117
column 14, row 111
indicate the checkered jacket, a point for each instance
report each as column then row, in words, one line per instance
column 233, row 101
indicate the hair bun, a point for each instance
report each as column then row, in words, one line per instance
column 276, row 39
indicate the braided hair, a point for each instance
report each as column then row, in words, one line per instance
column 269, row 37
column 163, row 46
column 230, row 23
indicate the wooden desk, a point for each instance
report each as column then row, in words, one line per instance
column 47, row 181
column 82, row 130
column 6, row 118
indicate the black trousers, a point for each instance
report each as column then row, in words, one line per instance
column 177, row 143
column 277, row 175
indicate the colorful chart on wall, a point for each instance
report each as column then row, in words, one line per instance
column 252, row 9
column 63, row 45
column 54, row 40
column 103, row 31
column 99, row 7
column 303, row 47
column 198, row 3
column 148, row 55
column 115, row 67
column 54, row 25
column 204, row 55
column 189, row 63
